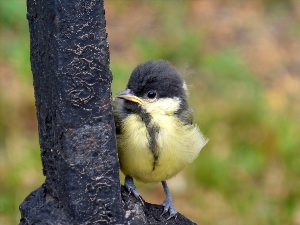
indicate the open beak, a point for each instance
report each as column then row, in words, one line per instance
column 128, row 95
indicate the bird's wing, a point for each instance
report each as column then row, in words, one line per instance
column 185, row 116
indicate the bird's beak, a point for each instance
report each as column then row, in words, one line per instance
column 128, row 95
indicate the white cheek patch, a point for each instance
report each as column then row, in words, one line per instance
column 185, row 88
column 163, row 106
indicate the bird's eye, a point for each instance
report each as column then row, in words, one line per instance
column 151, row 94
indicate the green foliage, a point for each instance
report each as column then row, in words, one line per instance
column 121, row 73
column 171, row 48
column 17, row 53
column 14, row 39
column 13, row 14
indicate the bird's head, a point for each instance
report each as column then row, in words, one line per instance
column 155, row 86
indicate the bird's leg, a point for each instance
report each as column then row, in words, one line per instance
column 168, row 202
column 129, row 184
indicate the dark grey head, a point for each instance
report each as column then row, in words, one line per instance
column 156, row 79
column 155, row 86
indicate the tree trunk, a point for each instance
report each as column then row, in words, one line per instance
column 70, row 66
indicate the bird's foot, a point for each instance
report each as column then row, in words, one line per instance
column 169, row 207
column 168, row 203
column 129, row 185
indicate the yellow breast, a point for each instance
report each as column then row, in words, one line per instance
column 178, row 145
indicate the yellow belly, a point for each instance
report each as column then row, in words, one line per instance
column 178, row 145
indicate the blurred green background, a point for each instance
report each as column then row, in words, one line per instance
column 241, row 61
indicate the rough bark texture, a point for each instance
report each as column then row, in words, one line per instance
column 70, row 66
column 72, row 83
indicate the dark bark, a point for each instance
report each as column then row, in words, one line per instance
column 72, row 83
column 70, row 66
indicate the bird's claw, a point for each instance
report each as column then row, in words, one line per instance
column 169, row 207
column 136, row 194
column 129, row 185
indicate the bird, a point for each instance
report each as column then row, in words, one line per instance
column 156, row 136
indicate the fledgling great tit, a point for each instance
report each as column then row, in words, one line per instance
column 155, row 134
